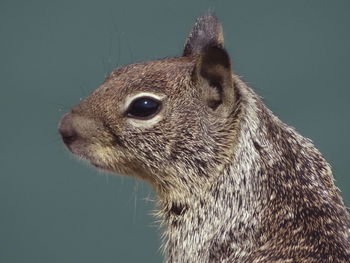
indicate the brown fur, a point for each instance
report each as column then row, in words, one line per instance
column 235, row 184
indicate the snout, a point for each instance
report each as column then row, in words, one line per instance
column 67, row 130
column 88, row 139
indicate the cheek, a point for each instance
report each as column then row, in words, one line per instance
column 148, row 147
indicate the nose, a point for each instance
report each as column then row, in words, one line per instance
column 66, row 129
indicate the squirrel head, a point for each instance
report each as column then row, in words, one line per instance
column 169, row 121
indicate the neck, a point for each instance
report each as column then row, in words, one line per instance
column 205, row 223
column 205, row 226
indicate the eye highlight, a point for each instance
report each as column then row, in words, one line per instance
column 143, row 108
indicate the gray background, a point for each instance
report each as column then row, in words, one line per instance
column 53, row 53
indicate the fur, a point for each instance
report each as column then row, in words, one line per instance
column 234, row 183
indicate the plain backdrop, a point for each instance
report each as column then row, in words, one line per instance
column 295, row 54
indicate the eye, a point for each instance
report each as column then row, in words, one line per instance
column 143, row 108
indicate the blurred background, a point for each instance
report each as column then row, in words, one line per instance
column 53, row 53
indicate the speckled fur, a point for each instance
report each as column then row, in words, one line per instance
column 235, row 184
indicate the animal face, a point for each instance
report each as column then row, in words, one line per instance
column 165, row 121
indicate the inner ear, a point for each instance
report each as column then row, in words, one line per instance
column 214, row 76
column 213, row 93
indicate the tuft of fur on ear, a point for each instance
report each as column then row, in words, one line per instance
column 206, row 31
column 213, row 74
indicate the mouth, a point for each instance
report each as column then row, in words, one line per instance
column 100, row 166
column 84, row 156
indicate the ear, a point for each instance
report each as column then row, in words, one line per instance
column 213, row 76
column 206, row 31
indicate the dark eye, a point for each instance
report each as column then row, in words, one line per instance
column 143, row 108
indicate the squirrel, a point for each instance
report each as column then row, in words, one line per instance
column 233, row 182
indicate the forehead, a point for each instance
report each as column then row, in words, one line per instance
column 157, row 76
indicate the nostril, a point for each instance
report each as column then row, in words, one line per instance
column 68, row 137
column 67, row 131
